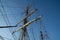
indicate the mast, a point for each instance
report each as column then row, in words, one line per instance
column 24, row 30
column 26, row 23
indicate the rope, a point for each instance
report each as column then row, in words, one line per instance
column 33, row 33
column 7, row 21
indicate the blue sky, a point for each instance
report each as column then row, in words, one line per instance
column 50, row 9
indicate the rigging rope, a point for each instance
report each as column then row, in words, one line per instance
column 7, row 21
column 41, row 33
column 43, row 36
column 46, row 33
column 3, row 13
column 33, row 33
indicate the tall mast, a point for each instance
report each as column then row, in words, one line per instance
column 24, row 30
column 25, row 21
